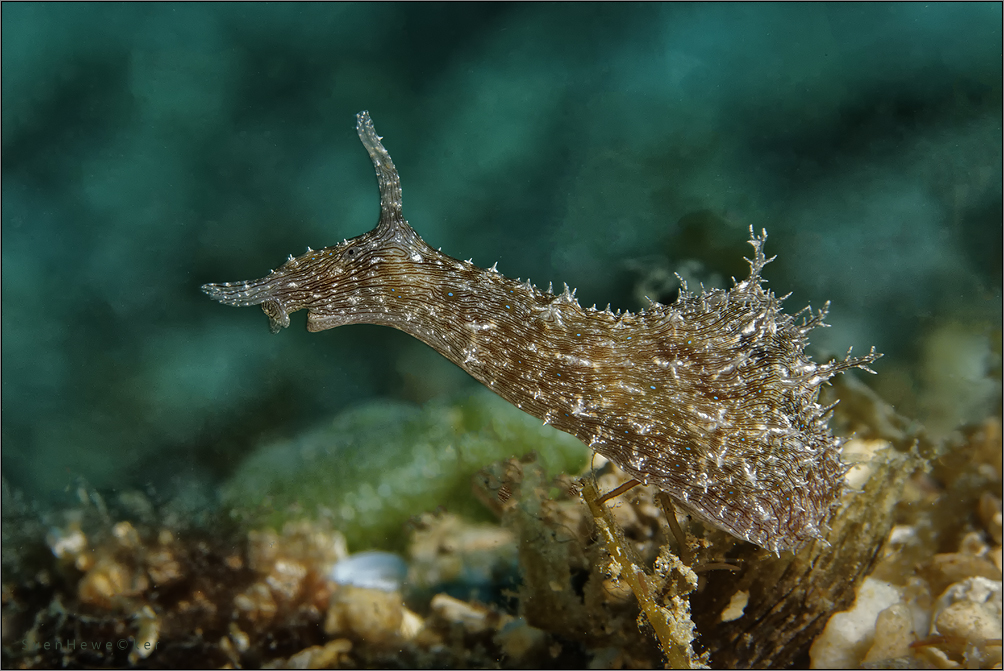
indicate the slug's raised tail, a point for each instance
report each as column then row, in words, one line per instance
column 387, row 178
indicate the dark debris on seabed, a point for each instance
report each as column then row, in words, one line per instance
column 553, row 584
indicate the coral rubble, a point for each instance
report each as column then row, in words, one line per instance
column 910, row 575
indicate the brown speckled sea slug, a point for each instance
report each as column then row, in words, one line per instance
column 712, row 398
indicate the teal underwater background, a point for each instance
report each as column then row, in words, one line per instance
column 150, row 148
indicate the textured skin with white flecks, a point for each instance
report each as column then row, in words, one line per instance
column 712, row 398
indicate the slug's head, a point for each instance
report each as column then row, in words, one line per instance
column 296, row 284
column 262, row 292
column 346, row 283
column 342, row 284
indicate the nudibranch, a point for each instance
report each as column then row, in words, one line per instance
column 712, row 399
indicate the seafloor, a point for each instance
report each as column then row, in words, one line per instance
column 535, row 579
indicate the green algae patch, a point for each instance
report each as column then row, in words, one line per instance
column 378, row 465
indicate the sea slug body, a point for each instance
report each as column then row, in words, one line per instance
column 712, row 399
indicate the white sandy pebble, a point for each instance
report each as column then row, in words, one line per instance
column 849, row 634
column 970, row 609
column 894, row 633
